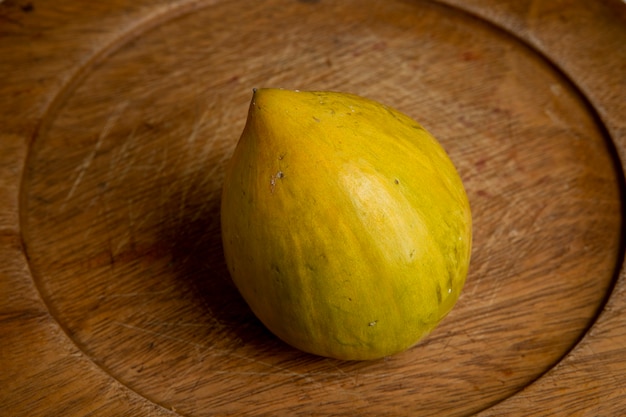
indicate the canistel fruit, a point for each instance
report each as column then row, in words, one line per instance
column 345, row 225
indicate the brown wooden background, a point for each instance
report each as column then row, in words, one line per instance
column 116, row 119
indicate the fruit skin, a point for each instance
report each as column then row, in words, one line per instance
column 345, row 225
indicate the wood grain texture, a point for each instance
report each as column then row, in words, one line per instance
column 117, row 120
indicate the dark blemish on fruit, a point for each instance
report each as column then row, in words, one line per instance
column 396, row 181
column 279, row 175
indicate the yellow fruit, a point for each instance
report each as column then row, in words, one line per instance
column 345, row 225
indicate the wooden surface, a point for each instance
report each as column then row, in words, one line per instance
column 116, row 120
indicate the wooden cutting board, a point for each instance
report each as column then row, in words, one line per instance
column 116, row 120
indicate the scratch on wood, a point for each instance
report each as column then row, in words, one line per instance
column 352, row 377
column 191, row 139
column 120, row 155
column 137, row 294
column 189, row 175
column 179, row 324
column 159, row 334
column 82, row 168
column 221, row 353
